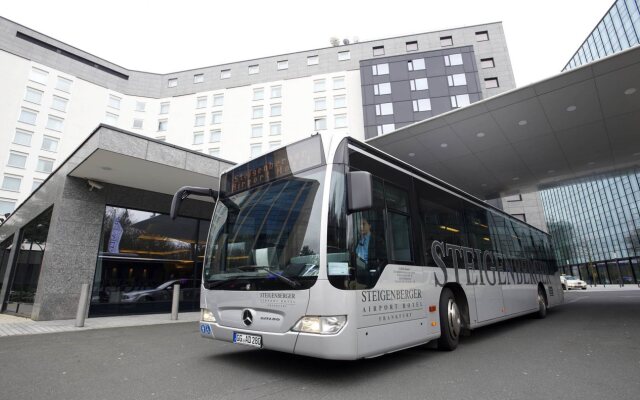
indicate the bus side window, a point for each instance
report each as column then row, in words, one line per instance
column 397, row 202
column 442, row 220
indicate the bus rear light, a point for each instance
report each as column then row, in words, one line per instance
column 320, row 325
column 432, row 308
column 434, row 323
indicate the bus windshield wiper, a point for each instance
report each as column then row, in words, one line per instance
column 282, row 278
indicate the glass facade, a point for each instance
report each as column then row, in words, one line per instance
column 595, row 227
column 24, row 276
column 618, row 30
column 142, row 255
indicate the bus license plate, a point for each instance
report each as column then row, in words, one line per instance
column 247, row 340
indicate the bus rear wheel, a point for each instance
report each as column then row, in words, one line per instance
column 450, row 321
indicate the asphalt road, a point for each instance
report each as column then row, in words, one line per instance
column 588, row 348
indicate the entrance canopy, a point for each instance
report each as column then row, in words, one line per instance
column 575, row 124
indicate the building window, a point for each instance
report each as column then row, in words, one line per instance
column 63, row 84
column 38, row 75
column 384, row 109
column 340, row 121
column 216, row 117
column 214, row 152
column 198, row 138
column 386, row 128
column 457, row 80
column 163, row 124
column 164, row 108
column 382, row 88
column 11, row 183
column 276, row 110
column 218, row 100
column 225, row 74
column 419, row 84
column 412, row 46
column 319, row 104
column 201, row 102
column 254, row 69
column 6, row 207
column 491, row 83
column 446, row 41
column 344, row 55
column 22, row 137
column 141, row 106
column 514, row 198
column 111, row 118
column 215, row 135
column 137, row 123
column 28, row 116
column 313, row 60
column 200, row 120
column 44, row 165
column 36, row 184
column 17, row 159
column 380, row 69
column 50, row 144
column 421, row 105
column 487, row 63
column 258, row 94
column 482, row 36
column 276, row 92
column 453, row 59
column 460, row 100
column 274, row 144
column 339, row 101
column 173, row 82
column 257, row 112
column 256, row 131
column 283, row 64
column 416, row 65
column 521, row 217
column 55, row 123
column 319, row 85
column 320, row 123
column 275, row 128
column 198, row 78
column 338, row 82
column 114, row 102
column 256, row 150
column 378, row 51
column 33, row 96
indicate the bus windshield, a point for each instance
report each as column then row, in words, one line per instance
column 267, row 237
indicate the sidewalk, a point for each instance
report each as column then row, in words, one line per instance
column 11, row 325
column 607, row 288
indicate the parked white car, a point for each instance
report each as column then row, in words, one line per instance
column 571, row 282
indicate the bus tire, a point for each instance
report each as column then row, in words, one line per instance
column 542, row 304
column 450, row 321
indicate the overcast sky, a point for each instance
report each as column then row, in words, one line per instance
column 166, row 36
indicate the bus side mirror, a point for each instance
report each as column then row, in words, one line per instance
column 185, row 192
column 359, row 191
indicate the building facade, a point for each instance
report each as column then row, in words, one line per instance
column 618, row 30
column 53, row 94
column 595, row 221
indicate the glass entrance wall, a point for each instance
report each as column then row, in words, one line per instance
column 5, row 251
column 25, row 275
column 142, row 255
column 615, row 272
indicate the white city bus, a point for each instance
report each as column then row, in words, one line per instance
column 333, row 249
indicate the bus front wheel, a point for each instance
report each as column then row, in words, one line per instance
column 450, row 321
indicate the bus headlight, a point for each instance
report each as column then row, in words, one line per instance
column 206, row 315
column 320, row 325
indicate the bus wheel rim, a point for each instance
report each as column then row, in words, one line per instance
column 454, row 318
